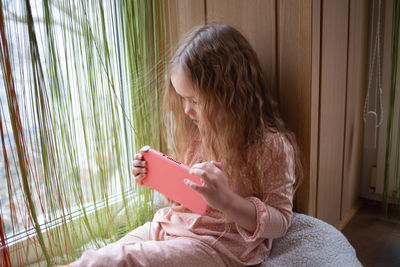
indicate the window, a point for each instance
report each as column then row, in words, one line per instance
column 78, row 104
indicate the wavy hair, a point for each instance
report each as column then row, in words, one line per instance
column 235, row 104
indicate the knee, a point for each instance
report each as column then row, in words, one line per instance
column 90, row 258
column 111, row 255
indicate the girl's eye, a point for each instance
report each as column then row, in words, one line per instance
column 183, row 99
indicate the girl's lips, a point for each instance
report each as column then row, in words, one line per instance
column 196, row 122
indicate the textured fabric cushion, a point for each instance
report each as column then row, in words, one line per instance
column 311, row 242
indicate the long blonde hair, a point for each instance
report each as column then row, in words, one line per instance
column 235, row 104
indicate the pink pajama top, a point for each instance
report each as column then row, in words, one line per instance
column 273, row 214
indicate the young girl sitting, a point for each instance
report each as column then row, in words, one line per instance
column 223, row 123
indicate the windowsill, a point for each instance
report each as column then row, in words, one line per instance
column 27, row 242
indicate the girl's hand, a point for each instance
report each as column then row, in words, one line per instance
column 215, row 188
column 139, row 168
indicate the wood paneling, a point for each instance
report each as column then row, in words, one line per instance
column 315, row 92
column 294, row 83
column 315, row 66
column 356, row 84
column 332, row 108
column 182, row 17
column 256, row 21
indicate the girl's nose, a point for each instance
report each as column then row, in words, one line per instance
column 187, row 107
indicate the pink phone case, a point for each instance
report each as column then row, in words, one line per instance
column 166, row 175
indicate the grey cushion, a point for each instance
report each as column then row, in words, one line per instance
column 311, row 242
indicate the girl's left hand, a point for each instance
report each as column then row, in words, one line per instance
column 215, row 188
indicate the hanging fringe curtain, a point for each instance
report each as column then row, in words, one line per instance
column 392, row 157
column 79, row 96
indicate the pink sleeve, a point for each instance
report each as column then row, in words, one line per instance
column 274, row 214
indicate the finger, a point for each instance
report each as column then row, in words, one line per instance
column 206, row 166
column 201, row 173
column 194, row 186
column 198, row 172
column 217, row 164
column 210, row 166
column 200, row 165
column 138, row 156
column 139, row 179
column 138, row 170
column 139, row 163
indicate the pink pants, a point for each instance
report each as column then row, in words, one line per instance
column 149, row 245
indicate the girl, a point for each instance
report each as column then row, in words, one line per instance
column 222, row 121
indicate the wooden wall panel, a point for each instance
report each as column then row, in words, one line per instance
column 183, row 16
column 256, row 21
column 294, row 31
column 356, row 84
column 332, row 108
column 303, row 49
column 315, row 94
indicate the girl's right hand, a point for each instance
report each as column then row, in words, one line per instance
column 138, row 168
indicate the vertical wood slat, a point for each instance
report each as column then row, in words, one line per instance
column 256, row 21
column 182, row 17
column 294, row 31
column 332, row 108
column 315, row 94
column 356, row 84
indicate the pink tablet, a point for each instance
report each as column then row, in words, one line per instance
column 166, row 175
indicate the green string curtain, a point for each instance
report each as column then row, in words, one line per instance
column 392, row 157
column 79, row 96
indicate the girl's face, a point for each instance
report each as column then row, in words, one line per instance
column 184, row 89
